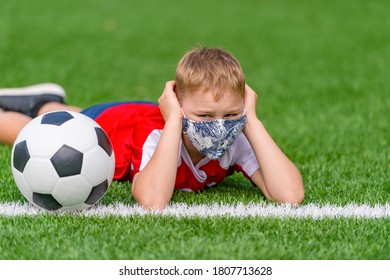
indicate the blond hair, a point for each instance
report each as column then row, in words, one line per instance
column 209, row 69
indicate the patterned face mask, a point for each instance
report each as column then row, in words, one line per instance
column 213, row 138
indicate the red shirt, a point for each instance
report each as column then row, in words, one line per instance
column 135, row 130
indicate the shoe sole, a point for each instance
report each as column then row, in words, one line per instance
column 46, row 88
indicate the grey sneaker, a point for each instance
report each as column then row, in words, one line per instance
column 28, row 100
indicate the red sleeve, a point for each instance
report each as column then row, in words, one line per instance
column 128, row 126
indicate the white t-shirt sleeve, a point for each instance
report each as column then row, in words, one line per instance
column 150, row 146
column 244, row 156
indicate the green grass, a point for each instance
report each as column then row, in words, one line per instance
column 166, row 238
column 320, row 69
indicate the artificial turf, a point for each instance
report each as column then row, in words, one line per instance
column 320, row 70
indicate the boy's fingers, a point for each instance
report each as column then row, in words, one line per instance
column 249, row 90
column 170, row 85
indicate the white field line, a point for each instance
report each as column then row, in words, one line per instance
column 239, row 210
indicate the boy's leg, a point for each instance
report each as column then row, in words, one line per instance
column 11, row 123
column 55, row 106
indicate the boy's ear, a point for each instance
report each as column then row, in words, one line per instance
column 177, row 96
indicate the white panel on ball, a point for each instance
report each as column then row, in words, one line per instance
column 97, row 165
column 40, row 175
column 44, row 141
column 72, row 190
column 86, row 136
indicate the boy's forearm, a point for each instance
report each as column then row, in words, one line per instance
column 153, row 186
column 282, row 179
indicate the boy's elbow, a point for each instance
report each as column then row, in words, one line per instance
column 295, row 198
column 150, row 202
column 293, row 195
column 292, row 199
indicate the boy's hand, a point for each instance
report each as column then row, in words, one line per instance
column 250, row 102
column 169, row 104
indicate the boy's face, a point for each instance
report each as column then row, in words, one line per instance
column 211, row 126
column 199, row 106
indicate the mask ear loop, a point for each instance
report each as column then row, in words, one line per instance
column 184, row 115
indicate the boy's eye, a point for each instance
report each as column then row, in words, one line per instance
column 230, row 116
column 209, row 116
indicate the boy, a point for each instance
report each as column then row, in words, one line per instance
column 204, row 128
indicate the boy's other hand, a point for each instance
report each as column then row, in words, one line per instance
column 250, row 102
column 169, row 104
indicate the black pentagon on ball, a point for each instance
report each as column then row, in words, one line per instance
column 103, row 141
column 97, row 193
column 67, row 161
column 21, row 155
column 56, row 118
column 46, row 201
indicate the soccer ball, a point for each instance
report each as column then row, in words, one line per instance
column 63, row 161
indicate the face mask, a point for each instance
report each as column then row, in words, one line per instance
column 213, row 138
